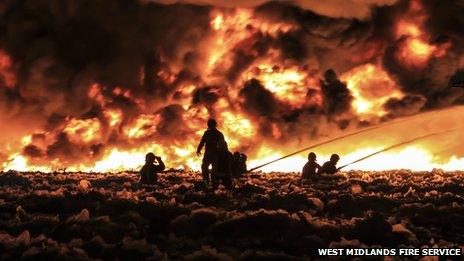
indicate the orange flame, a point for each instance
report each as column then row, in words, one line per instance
column 371, row 87
column 6, row 66
column 415, row 51
column 85, row 130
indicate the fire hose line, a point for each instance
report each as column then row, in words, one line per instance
column 355, row 133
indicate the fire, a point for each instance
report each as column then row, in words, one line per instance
column 408, row 28
column 414, row 158
column 95, row 93
column 239, row 129
column 233, row 28
column 289, row 85
column 415, row 50
column 143, row 126
column 114, row 116
column 125, row 122
column 6, row 67
column 371, row 87
column 20, row 163
column 86, row 130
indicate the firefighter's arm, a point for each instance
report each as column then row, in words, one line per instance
column 161, row 165
column 202, row 143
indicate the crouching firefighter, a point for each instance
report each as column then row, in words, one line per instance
column 148, row 173
column 239, row 166
column 222, row 166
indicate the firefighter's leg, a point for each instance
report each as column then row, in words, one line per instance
column 227, row 182
column 205, row 167
column 214, row 181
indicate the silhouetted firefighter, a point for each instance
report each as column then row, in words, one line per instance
column 330, row 167
column 337, row 96
column 311, row 167
column 149, row 171
column 222, row 167
column 239, row 166
column 210, row 139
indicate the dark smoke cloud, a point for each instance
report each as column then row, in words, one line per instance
column 443, row 24
column 408, row 105
column 446, row 97
column 207, row 95
column 258, row 100
column 172, row 124
column 32, row 151
column 445, row 18
column 63, row 148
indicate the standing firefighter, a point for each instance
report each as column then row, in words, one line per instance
column 311, row 167
column 149, row 171
column 222, row 167
column 210, row 139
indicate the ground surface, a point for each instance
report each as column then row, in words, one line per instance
column 276, row 216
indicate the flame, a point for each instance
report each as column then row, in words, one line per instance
column 6, row 67
column 371, row 87
column 86, row 130
column 239, row 129
column 143, row 126
column 415, row 51
column 232, row 28
column 414, row 158
column 289, row 85
column 114, row 116
column 95, row 93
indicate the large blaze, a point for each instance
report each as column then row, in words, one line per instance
column 240, row 69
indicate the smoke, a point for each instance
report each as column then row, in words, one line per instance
column 408, row 105
column 257, row 100
column 333, row 8
column 79, row 78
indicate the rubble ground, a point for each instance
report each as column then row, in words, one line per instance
column 106, row 216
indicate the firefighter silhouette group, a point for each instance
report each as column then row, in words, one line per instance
column 219, row 165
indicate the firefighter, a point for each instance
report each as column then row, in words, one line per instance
column 149, row 171
column 210, row 139
column 310, row 168
column 222, row 167
column 330, row 167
